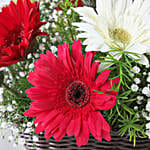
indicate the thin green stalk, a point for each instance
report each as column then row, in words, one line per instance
column 11, row 91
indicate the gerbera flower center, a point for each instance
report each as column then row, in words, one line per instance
column 120, row 35
column 14, row 37
column 77, row 94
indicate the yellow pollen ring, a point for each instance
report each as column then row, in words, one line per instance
column 120, row 35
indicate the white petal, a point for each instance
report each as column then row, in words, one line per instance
column 91, row 48
column 105, row 9
column 148, row 52
column 137, row 48
column 88, row 14
column 136, row 6
column 98, row 47
column 145, row 9
column 120, row 7
column 101, row 6
column 144, row 60
column 84, row 26
column 82, row 35
column 105, row 48
column 93, row 38
column 104, row 66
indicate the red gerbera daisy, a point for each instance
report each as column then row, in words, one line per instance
column 64, row 100
column 19, row 26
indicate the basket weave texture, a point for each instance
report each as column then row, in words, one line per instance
column 69, row 143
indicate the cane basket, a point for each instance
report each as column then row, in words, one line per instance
column 69, row 143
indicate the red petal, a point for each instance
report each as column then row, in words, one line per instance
column 53, row 125
column 94, row 70
column 64, row 55
column 87, row 63
column 42, row 116
column 101, row 79
column 30, row 113
column 48, row 105
column 62, row 128
column 71, row 128
column 40, row 97
column 76, row 50
column 39, row 128
column 83, row 137
column 59, row 134
column 66, row 121
column 104, row 102
column 105, row 129
column 77, row 125
column 98, row 126
column 79, row 69
column 95, row 125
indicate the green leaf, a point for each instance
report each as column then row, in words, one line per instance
column 99, row 92
column 128, row 109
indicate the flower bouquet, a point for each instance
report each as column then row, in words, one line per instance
column 76, row 73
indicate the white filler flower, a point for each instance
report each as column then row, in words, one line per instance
column 134, row 87
column 119, row 24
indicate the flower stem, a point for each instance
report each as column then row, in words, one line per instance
column 70, row 29
column 11, row 73
column 11, row 91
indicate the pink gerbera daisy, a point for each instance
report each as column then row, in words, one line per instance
column 64, row 97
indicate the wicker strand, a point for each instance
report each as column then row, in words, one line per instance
column 69, row 143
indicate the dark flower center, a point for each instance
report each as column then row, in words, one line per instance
column 18, row 41
column 77, row 94
column 14, row 37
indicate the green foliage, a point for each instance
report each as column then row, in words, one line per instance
column 131, row 122
column 14, row 95
column 130, row 126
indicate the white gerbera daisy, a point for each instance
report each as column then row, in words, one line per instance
column 119, row 24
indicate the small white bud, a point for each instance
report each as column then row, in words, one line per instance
column 146, row 91
column 148, row 79
column 69, row 12
column 148, row 106
column 9, row 108
column 136, row 69
column 137, row 80
column 134, row 87
column 43, row 40
column 22, row 74
column 31, row 66
column 47, row 25
column 148, row 125
column 135, row 108
column 140, row 98
column 29, row 124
